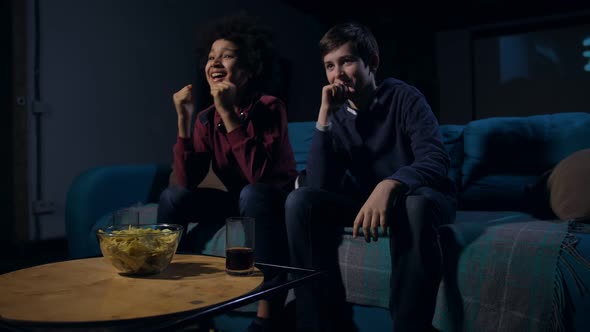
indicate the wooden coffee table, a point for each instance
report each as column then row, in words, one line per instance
column 90, row 293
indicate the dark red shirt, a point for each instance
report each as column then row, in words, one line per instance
column 257, row 151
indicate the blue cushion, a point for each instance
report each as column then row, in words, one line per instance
column 100, row 191
column 103, row 222
column 496, row 192
column 522, row 145
column 300, row 135
column 452, row 136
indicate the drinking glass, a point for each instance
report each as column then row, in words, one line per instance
column 239, row 245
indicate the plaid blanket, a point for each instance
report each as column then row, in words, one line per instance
column 365, row 270
column 498, row 274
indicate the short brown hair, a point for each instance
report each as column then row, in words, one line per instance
column 361, row 39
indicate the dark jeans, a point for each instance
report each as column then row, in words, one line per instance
column 210, row 207
column 314, row 226
column 207, row 207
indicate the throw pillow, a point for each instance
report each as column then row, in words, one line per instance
column 569, row 187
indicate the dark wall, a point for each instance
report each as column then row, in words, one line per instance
column 123, row 60
column 406, row 49
column 412, row 49
column 6, row 175
column 407, row 53
column 519, row 68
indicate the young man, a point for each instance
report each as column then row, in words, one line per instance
column 377, row 163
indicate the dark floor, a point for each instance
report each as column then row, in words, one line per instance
column 13, row 257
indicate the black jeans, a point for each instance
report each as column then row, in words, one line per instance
column 314, row 226
column 210, row 207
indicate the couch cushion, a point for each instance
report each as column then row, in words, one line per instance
column 496, row 192
column 452, row 136
column 519, row 147
column 569, row 187
column 464, row 217
column 300, row 136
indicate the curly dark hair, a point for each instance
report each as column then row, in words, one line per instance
column 255, row 47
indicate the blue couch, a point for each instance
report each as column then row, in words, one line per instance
column 492, row 162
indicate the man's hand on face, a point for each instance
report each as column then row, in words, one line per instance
column 374, row 213
column 224, row 96
column 333, row 97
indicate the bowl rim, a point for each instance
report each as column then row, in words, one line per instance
column 106, row 232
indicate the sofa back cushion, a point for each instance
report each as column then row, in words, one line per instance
column 300, row 136
column 503, row 155
column 452, row 136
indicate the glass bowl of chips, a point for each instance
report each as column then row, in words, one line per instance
column 140, row 249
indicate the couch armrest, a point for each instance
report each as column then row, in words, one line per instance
column 102, row 190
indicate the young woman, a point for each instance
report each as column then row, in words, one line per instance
column 243, row 138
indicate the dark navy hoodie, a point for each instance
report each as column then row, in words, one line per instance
column 397, row 137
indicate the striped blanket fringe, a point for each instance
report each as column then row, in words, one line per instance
column 563, row 308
